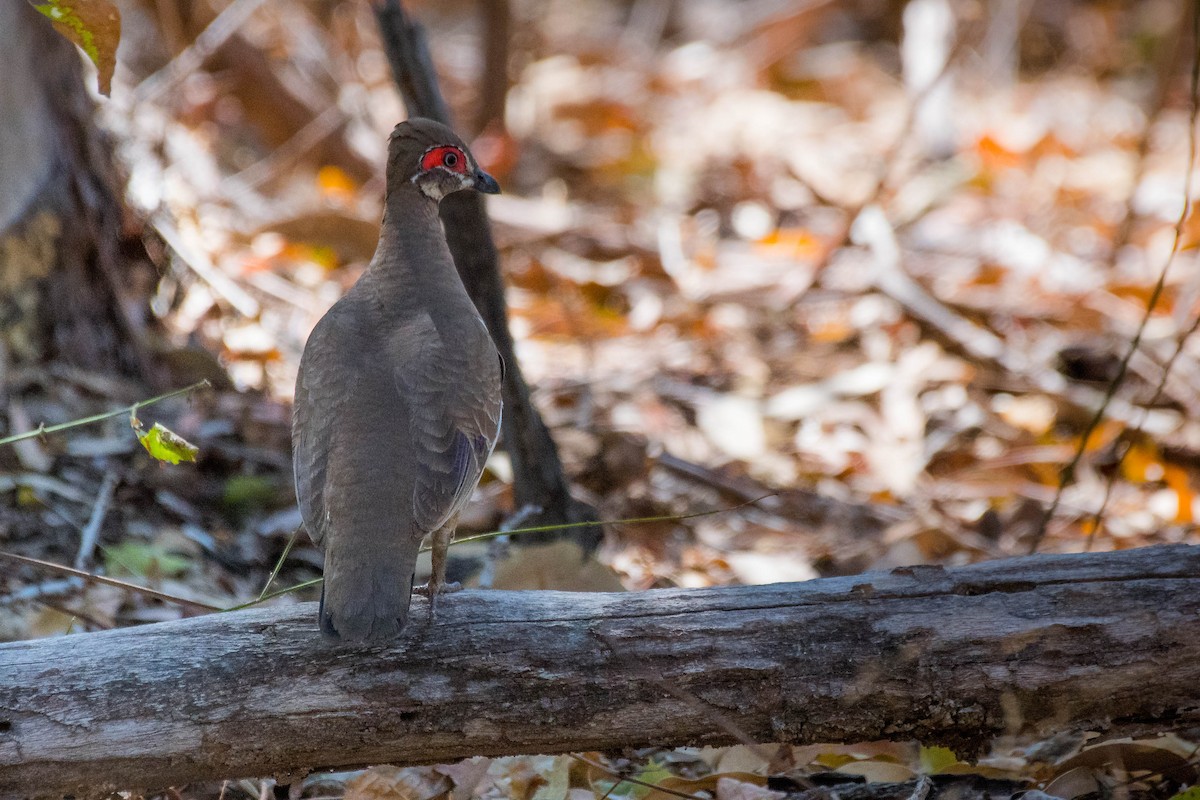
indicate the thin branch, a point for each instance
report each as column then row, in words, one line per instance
column 133, row 587
column 277, row 593
column 91, row 531
column 263, row 596
column 597, row 523
column 44, row 429
column 279, row 563
column 634, row 781
column 884, row 175
column 189, row 60
column 320, row 128
column 1067, row 476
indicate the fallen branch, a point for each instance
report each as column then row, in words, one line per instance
column 1104, row 642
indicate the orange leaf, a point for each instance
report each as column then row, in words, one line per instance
column 792, row 242
column 1142, row 463
column 1177, row 480
column 996, row 156
column 1189, row 236
column 335, row 184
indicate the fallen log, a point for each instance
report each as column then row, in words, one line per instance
column 1107, row 642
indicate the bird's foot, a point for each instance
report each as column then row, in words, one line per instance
column 433, row 590
column 445, row 588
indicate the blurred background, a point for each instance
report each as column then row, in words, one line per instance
column 871, row 264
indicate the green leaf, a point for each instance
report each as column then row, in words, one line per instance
column 936, row 759
column 166, row 445
column 558, row 781
column 653, row 773
column 94, row 25
column 145, row 559
column 244, row 493
column 1191, row 793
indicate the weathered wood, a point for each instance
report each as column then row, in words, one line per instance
column 1102, row 641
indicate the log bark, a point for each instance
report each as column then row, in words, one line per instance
column 1105, row 642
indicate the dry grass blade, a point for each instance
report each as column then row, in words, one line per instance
column 133, row 587
column 1067, row 476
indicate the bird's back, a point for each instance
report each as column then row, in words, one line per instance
column 398, row 396
column 409, row 410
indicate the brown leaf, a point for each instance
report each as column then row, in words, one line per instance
column 94, row 25
column 395, row 783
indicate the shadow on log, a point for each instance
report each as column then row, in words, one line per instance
column 1102, row 642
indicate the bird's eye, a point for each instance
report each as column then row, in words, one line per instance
column 447, row 156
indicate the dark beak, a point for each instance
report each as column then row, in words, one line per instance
column 486, row 183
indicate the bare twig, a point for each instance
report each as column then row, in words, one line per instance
column 504, row 533
column 922, row 789
column 91, row 531
column 316, row 131
column 279, row 564
column 199, row 263
column 187, row 62
column 88, row 576
column 636, row 782
column 1067, row 476
column 884, row 174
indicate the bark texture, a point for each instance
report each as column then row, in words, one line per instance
column 1104, row 642
column 74, row 276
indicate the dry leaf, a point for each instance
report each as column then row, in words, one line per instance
column 94, row 25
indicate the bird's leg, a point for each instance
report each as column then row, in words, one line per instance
column 440, row 542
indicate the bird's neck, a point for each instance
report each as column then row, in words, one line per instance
column 413, row 262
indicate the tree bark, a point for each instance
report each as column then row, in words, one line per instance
column 74, row 276
column 1101, row 642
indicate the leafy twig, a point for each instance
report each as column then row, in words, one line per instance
column 62, row 426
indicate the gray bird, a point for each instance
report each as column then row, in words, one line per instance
column 398, row 399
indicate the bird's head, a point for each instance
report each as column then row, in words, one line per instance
column 431, row 157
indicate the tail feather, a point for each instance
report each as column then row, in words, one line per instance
column 367, row 593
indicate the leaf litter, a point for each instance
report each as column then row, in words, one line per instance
column 732, row 271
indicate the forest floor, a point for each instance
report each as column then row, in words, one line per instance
column 748, row 268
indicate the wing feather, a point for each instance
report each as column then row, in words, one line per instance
column 455, row 389
column 318, row 406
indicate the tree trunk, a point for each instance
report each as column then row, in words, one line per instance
column 74, row 277
column 538, row 478
column 1102, row 642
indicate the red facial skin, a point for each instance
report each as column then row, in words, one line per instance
column 447, row 156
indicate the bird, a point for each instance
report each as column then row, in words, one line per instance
column 397, row 403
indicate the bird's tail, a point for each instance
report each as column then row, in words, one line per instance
column 367, row 592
